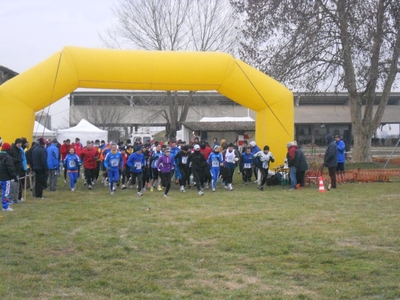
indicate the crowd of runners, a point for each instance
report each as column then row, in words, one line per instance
column 127, row 165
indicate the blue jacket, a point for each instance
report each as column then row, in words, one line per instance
column 215, row 159
column 247, row 160
column 53, row 157
column 136, row 162
column 24, row 162
column 174, row 150
column 154, row 158
column 114, row 161
column 255, row 149
column 72, row 162
column 340, row 150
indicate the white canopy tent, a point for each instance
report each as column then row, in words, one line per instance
column 40, row 131
column 85, row 131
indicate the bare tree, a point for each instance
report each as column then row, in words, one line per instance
column 328, row 45
column 202, row 25
column 106, row 116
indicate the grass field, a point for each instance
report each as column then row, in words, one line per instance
column 244, row 244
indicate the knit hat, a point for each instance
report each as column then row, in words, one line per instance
column 167, row 150
column 216, row 147
column 6, row 146
column 252, row 143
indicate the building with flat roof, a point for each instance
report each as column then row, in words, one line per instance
column 316, row 115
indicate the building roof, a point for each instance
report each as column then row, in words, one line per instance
column 221, row 126
column 6, row 74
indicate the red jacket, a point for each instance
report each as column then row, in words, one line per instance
column 89, row 157
column 78, row 148
column 206, row 152
column 64, row 150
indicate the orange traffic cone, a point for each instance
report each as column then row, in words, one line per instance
column 321, row 186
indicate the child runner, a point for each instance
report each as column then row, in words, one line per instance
column 154, row 172
column 165, row 165
column 72, row 162
column 181, row 163
column 264, row 157
column 215, row 160
column 136, row 164
column 231, row 156
column 197, row 161
column 113, row 163
column 246, row 164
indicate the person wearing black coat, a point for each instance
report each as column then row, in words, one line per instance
column 39, row 166
column 302, row 166
column 16, row 154
column 7, row 173
column 197, row 161
column 331, row 159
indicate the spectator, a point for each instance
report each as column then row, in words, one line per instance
column 7, row 173
column 302, row 167
column 341, row 146
column 331, row 160
column 39, row 166
column 53, row 164
column 293, row 164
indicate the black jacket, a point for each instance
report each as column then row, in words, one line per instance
column 7, row 170
column 302, row 161
column 39, row 158
column 16, row 154
column 198, row 161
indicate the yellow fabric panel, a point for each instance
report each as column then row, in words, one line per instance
column 149, row 70
column 75, row 67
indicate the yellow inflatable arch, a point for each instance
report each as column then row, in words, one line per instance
column 75, row 67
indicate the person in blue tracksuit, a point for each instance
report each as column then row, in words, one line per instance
column 136, row 163
column 246, row 164
column 72, row 162
column 214, row 161
column 113, row 164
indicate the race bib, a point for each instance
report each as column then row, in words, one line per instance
column 215, row 163
column 114, row 162
column 184, row 160
column 247, row 166
column 138, row 165
column 265, row 165
column 72, row 163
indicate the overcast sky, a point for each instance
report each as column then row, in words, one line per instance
column 31, row 31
